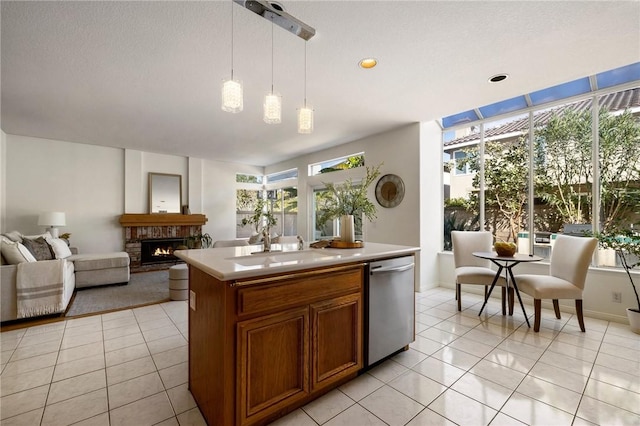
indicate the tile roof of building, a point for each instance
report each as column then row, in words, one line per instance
column 614, row 101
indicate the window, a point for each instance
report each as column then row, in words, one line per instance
column 460, row 166
column 285, row 209
column 246, row 202
column 280, row 176
column 559, row 162
column 459, row 213
column 242, row 178
column 342, row 163
column 323, row 226
column 619, row 159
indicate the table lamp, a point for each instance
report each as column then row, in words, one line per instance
column 52, row 220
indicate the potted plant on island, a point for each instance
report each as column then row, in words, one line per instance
column 625, row 242
column 349, row 202
column 262, row 219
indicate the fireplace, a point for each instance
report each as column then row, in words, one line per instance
column 159, row 250
column 140, row 227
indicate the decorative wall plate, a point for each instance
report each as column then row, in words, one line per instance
column 389, row 190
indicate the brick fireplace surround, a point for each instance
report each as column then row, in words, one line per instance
column 138, row 227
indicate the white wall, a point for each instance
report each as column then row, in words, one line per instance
column 415, row 222
column 3, row 178
column 431, row 203
column 138, row 165
column 219, row 199
column 398, row 151
column 95, row 185
column 84, row 181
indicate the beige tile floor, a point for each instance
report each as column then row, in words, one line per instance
column 130, row 368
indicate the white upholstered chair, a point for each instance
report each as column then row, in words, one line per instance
column 568, row 269
column 471, row 269
column 230, row 243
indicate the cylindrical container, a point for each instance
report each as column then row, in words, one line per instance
column 347, row 229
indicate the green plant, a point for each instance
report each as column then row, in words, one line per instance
column 262, row 217
column 624, row 242
column 350, row 198
column 198, row 241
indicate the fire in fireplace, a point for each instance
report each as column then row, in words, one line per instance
column 159, row 250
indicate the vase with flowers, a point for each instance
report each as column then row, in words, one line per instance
column 349, row 203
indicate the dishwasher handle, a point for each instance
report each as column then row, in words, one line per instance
column 378, row 269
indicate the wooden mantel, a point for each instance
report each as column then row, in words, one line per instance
column 162, row 219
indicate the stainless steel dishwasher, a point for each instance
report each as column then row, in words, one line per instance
column 390, row 313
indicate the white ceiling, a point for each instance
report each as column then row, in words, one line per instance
column 146, row 75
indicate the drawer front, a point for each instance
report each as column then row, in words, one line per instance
column 299, row 289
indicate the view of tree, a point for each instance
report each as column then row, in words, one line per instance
column 349, row 163
column 619, row 169
column 563, row 175
column 567, row 171
column 506, row 184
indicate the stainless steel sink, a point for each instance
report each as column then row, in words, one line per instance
column 280, row 258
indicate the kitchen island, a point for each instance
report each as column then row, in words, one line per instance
column 269, row 332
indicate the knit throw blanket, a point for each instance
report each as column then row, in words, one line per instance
column 39, row 287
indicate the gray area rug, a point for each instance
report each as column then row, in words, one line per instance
column 143, row 288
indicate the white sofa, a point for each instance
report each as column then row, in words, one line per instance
column 46, row 286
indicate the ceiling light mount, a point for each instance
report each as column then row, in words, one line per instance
column 498, row 78
column 274, row 12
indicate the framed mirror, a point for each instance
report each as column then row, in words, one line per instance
column 165, row 193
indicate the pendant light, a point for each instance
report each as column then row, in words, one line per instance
column 272, row 101
column 232, row 98
column 305, row 114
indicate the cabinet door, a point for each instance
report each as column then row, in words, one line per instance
column 273, row 357
column 336, row 339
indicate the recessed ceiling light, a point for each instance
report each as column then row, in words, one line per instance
column 498, row 77
column 368, row 63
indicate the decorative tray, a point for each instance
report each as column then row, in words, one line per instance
column 346, row 245
column 336, row 244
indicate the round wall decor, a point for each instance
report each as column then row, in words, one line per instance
column 389, row 190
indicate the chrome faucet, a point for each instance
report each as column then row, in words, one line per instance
column 266, row 240
column 300, row 243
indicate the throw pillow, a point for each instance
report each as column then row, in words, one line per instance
column 14, row 252
column 60, row 248
column 14, row 236
column 39, row 248
column 33, row 237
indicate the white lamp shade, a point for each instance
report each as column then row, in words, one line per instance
column 52, row 219
column 232, row 100
column 272, row 109
column 305, row 120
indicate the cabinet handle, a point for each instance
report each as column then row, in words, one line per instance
column 295, row 275
column 379, row 269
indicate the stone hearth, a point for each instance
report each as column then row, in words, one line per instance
column 138, row 227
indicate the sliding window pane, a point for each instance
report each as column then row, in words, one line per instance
column 324, row 226
column 285, row 209
column 460, row 198
column 246, row 202
column 563, row 173
column 506, row 178
column 619, row 156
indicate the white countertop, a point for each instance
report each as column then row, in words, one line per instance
column 231, row 263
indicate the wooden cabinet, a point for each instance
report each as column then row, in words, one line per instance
column 337, row 339
column 273, row 363
column 280, row 342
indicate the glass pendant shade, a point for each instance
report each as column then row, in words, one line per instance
column 232, row 99
column 305, row 120
column 272, row 109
